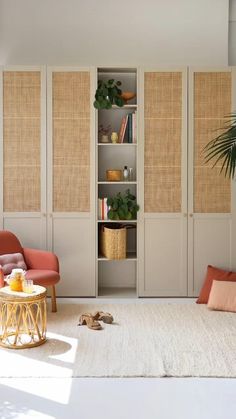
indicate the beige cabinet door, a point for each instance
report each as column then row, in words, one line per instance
column 209, row 192
column 71, row 178
column 23, row 154
column 163, row 242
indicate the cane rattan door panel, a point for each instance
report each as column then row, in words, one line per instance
column 212, row 101
column 162, row 135
column 71, row 141
column 21, row 145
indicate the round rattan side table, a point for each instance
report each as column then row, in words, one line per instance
column 23, row 318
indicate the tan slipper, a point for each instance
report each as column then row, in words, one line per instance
column 88, row 320
column 105, row 317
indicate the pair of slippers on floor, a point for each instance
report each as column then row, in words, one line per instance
column 92, row 320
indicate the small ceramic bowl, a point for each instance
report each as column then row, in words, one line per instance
column 128, row 96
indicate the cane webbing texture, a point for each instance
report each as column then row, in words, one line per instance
column 21, row 141
column 212, row 101
column 163, row 134
column 73, row 176
column 163, row 189
column 163, row 95
column 160, row 134
column 71, row 141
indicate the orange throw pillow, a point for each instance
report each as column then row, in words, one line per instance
column 222, row 296
column 213, row 273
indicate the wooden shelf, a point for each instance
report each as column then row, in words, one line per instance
column 130, row 106
column 117, row 183
column 117, row 144
column 117, row 292
column 117, row 70
column 131, row 256
column 117, row 221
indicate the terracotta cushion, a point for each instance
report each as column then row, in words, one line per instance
column 12, row 261
column 222, row 296
column 211, row 274
column 43, row 277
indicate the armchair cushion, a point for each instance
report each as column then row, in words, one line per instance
column 43, row 277
column 11, row 261
column 40, row 259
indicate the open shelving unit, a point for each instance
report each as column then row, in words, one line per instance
column 117, row 278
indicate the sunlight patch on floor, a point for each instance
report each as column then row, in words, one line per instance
column 58, row 391
column 10, row 410
column 32, row 414
column 15, row 364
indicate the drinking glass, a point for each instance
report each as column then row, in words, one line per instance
column 28, row 286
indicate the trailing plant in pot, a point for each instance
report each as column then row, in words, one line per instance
column 122, row 206
column 223, row 148
column 108, row 93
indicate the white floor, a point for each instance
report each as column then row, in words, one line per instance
column 101, row 398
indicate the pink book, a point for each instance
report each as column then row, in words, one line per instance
column 122, row 129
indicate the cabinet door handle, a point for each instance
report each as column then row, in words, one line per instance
column 44, row 214
column 190, row 215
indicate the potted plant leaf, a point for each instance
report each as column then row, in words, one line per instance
column 108, row 93
column 223, row 148
column 122, row 206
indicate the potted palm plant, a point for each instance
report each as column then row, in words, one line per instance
column 223, row 148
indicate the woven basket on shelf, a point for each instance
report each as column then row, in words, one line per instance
column 113, row 242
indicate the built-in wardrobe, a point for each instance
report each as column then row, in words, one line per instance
column 53, row 164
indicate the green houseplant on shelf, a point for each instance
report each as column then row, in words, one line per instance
column 108, row 93
column 223, row 148
column 122, row 206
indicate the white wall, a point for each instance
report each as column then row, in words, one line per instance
column 109, row 32
column 232, row 32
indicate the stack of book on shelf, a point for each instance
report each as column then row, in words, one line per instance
column 102, row 209
column 129, row 125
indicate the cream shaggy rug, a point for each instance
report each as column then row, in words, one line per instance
column 146, row 340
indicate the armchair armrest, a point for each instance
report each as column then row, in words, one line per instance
column 40, row 259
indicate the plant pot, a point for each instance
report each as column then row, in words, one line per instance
column 104, row 139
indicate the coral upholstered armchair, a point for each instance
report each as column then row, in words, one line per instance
column 41, row 266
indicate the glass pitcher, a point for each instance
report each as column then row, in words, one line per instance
column 15, row 279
